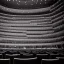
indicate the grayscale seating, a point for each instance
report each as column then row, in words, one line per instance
column 53, row 55
column 27, row 55
column 1, row 56
column 61, row 60
column 4, row 61
column 31, row 31
column 11, row 57
column 49, row 61
column 41, row 56
column 44, row 56
column 25, row 60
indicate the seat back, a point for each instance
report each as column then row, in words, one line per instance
column 53, row 56
column 11, row 52
column 12, row 56
column 61, row 60
column 40, row 56
column 25, row 60
column 49, row 61
column 1, row 56
column 4, row 61
column 27, row 55
column 61, row 55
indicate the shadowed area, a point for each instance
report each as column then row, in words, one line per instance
column 27, row 4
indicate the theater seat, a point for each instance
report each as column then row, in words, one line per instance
column 1, row 56
column 44, row 56
column 61, row 55
column 27, row 55
column 53, row 55
column 49, row 61
column 11, row 52
column 41, row 56
column 4, row 61
column 12, row 56
column 61, row 60
column 25, row 60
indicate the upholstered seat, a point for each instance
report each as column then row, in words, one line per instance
column 1, row 56
column 27, row 55
column 12, row 56
column 25, row 60
column 49, row 61
column 41, row 56
column 61, row 60
column 4, row 61
column 54, row 55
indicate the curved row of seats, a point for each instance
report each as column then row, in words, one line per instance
column 26, row 58
column 32, row 61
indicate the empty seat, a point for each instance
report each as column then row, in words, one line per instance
column 27, row 55
column 61, row 55
column 4, row 61
column 12, row 56
column 11, row 52
column 49, row 61
column 25, row 60
column 61, row 60
column 53, row 55
column 1, row 56
column 41, row 56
